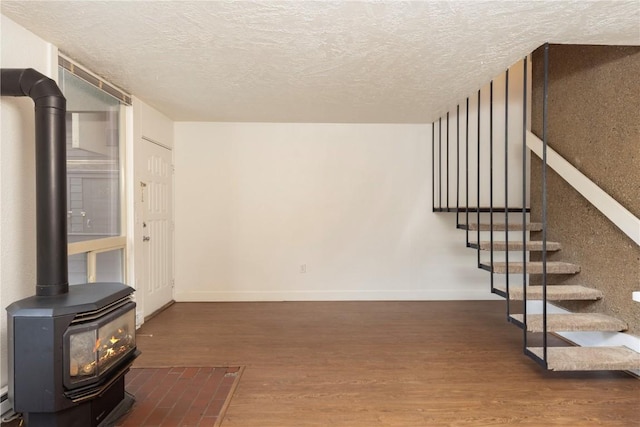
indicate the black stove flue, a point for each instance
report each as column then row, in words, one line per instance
column 51, row 174
column 69, row 347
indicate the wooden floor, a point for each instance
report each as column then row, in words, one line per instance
column 372, row 364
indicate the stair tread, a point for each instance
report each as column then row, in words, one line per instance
column 499, row 226
column 589, row 358
column 573, row 322
column 535, row 267
column 554, row 292
column 535, row 245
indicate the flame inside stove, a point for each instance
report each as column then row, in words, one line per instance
column 93, row 352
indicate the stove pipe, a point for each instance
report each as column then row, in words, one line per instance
column 51, row 174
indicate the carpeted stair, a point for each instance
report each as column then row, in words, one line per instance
column 516, row 246
column 534, row 267
column 572, row 322
column 516, row 226
column 589, row 358
column 554, row 292
column 558, row 358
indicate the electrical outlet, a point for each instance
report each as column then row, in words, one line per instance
column 303, row 268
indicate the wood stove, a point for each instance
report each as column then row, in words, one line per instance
column 68, row 355
column 69, row 347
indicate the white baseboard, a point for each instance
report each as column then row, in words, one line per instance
column 254, row 296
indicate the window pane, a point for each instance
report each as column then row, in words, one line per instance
column 78, row 269
column 109, row 266
column 93, row 164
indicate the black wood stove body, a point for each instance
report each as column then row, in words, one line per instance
column 68, row 355
column 69, row 346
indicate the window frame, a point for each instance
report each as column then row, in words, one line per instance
column 95, row 246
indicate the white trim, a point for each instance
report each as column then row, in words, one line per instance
column 221, row 296
column 606, row 204
column 53, row 62
column 91, row 267
column 635, row 296
column 100, row 80
column 124, row 207
column 97, row 245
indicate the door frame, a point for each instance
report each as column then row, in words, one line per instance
column 147, row 124
column 139, row 164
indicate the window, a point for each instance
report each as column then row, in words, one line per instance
column 95, row 202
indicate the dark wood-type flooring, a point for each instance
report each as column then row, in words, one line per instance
column 370, row 364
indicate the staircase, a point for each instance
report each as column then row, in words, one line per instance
column 557, row 358
column 511, row 261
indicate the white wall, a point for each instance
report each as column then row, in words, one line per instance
column 19, row 49
column 255, row 201
column 152, row 124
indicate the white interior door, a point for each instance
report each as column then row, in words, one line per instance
column 156, row 184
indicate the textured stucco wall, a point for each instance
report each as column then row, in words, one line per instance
column 594, row 123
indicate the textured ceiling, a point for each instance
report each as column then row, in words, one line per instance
column 306, row 61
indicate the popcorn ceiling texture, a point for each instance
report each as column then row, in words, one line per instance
column 304, row 61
